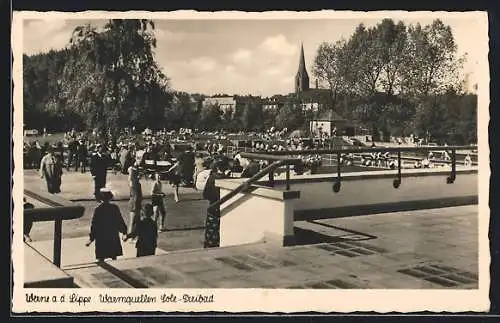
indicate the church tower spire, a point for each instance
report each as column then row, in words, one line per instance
column 302, row 78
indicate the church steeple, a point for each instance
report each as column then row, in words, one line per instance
column 302, row 78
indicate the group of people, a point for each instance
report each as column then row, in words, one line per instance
column 146, row 220
column 107, row 225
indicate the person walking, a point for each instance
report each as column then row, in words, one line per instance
column 174, row 177
column 51, row 169
column 107, row 224
column 157, row 197
column 99, row 169
column 135, row 200
column 186, row 160
column 58, row 152
column 125, row 158
column 146, row 233
column 212, row 222
column 73, row 154
column 82, row 155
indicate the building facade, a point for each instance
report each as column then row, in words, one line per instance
column 224, row 102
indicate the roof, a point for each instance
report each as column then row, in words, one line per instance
column 329, row 115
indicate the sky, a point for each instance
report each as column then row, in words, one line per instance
column 258, row 57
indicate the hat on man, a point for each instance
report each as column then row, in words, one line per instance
column 105, row 194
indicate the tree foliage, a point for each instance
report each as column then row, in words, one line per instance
column 108, row 79
column 290, row 116
column 388, row 74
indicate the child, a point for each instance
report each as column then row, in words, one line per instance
column 158, row 204
column 146, row 233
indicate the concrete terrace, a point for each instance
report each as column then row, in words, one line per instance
column 432, row 248
column 429, row 249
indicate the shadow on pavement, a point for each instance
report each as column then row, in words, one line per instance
column 308, row 237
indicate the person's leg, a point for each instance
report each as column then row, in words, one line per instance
column 176, row 193
column 58, row 184
column 49, row 185
column 163, row 215
column 155, row 212
column 76, row 162
column 131, row 217
column 69, row 162
column 72, row 159
column 96, row 189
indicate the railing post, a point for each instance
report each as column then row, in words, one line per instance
column 397, row 181
column 57, row 241
column 336, row 185
column 287, row 177
column 453, row 175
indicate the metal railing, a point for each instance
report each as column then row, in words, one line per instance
column 340, row 152
column 279, row 161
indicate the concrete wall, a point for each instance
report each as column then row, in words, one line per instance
column 265, row 213
column 262, row 214
column 380, row 190
column 372, row 192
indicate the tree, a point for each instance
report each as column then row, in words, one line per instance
column 210, row 117
column 432, row 65
column 249, row 110
column 227, row 118
column 332, row 65
column 405, row 64
column 393, row 47
column 112, row 77
column 290, row 116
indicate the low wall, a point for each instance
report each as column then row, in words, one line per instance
column 372, row 192
column 259, row 214
column 268, row 213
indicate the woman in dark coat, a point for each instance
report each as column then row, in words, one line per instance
column 107, row 224
column 212, row 222
column 146, row 232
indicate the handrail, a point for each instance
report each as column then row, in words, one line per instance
column 366, row 150
column 58, row 211
column 268, row 156
column 277, row 155
column 279, row 161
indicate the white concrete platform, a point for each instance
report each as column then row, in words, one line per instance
column 74, row 252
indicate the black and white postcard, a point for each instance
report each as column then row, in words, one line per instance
column 329, row 161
